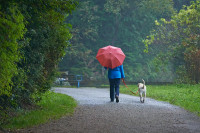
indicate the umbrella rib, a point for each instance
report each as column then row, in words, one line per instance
column 117, row 60
column 103, row 61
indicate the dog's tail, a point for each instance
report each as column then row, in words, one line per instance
column 143, row 83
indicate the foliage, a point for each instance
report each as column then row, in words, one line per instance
column 10, row 18
column 178, row 4
column 122, row 23
column 180, row 38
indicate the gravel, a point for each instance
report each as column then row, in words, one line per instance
column 96, row 114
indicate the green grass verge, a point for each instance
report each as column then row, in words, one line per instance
column 52, row 106
column 185, row 96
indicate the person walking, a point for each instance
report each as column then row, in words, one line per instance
column 112, row 58
column 114, row 76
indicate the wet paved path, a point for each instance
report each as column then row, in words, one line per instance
column 96, row 114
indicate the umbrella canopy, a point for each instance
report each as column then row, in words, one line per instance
column 110, row 56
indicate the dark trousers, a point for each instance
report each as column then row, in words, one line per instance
column 114, row 87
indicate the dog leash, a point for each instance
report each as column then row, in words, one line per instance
column 128, row 88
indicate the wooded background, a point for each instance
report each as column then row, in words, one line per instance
column 131, row 25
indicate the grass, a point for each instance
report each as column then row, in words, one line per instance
column 185, row 96
column 52, row 106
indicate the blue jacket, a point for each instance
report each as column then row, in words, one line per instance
column 117, row 72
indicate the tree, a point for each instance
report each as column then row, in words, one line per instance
column 180, row 36
column 80, row 57
column 34, row 36
column 122, row 23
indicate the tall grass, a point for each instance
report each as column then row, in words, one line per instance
column 52, row 106
column 185, row 96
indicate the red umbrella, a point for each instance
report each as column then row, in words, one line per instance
column 110, row 56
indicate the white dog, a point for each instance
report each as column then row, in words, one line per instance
column 142, row 91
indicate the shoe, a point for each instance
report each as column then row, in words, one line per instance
column 117, row 98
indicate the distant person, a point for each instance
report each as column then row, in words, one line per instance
column 114, row 76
